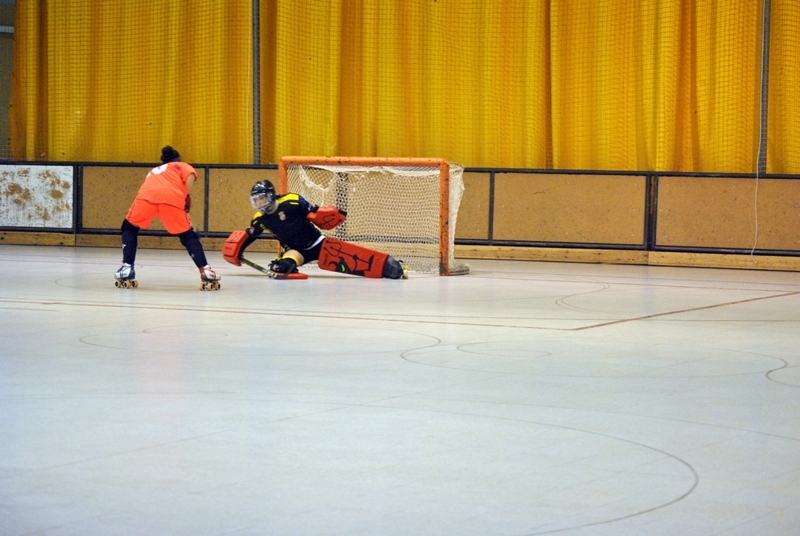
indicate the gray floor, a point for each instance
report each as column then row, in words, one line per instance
column 524, row 398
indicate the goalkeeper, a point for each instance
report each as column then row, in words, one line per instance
column 296, row 223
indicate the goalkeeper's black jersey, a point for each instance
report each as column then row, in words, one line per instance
column 288, row 223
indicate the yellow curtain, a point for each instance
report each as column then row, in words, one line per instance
column 460, row 80
column 597, row 79
column 569, row 84
column 580, row 84
column 115, row 81
column 728, row 77
column 783, row 118
column 306, row 77
column 662, row 85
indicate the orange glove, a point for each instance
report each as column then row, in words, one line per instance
column 233, row 247
column 327, row 217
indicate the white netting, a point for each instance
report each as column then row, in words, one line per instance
column 389, row 208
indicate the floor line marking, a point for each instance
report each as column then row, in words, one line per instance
column 400, row 320
column 679, row 311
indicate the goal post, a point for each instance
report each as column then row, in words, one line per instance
column 406, row 207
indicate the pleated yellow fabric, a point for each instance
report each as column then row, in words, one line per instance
column 573, row 84
column 668, row 85
column 783, row 119
column 463, row 80
column 115, row 81
column 637, row 85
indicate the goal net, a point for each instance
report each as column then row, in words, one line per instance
column 406, row 207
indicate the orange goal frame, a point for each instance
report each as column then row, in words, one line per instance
column 444, row 186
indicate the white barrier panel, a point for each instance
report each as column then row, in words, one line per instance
column 36, row 196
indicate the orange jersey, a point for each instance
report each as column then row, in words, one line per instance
column 166, row 184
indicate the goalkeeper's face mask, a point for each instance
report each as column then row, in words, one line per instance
column 263, row 203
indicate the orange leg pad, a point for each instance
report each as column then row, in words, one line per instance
column 347, row 258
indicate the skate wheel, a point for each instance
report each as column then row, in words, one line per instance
column 216, row 285
column 203, row 285
column 405, row 272
column 134, row 284
column 118, row 283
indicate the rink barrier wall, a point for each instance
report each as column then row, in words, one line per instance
column 674, row 219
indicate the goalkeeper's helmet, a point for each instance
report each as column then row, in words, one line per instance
column 262, row 195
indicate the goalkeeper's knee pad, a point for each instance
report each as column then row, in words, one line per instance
column 392, row 269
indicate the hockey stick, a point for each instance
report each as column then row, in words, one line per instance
column 270, row 273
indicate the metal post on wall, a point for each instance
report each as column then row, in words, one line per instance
column 256, row 83
column 762, row 143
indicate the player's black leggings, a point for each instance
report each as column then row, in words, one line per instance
column 130, row 241
column 189, row 239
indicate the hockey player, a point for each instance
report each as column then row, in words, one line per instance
column 164, row 193
column 296, row 223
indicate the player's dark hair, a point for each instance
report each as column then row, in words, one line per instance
column 168, row 154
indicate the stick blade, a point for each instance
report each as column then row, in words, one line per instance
column 294, row 275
